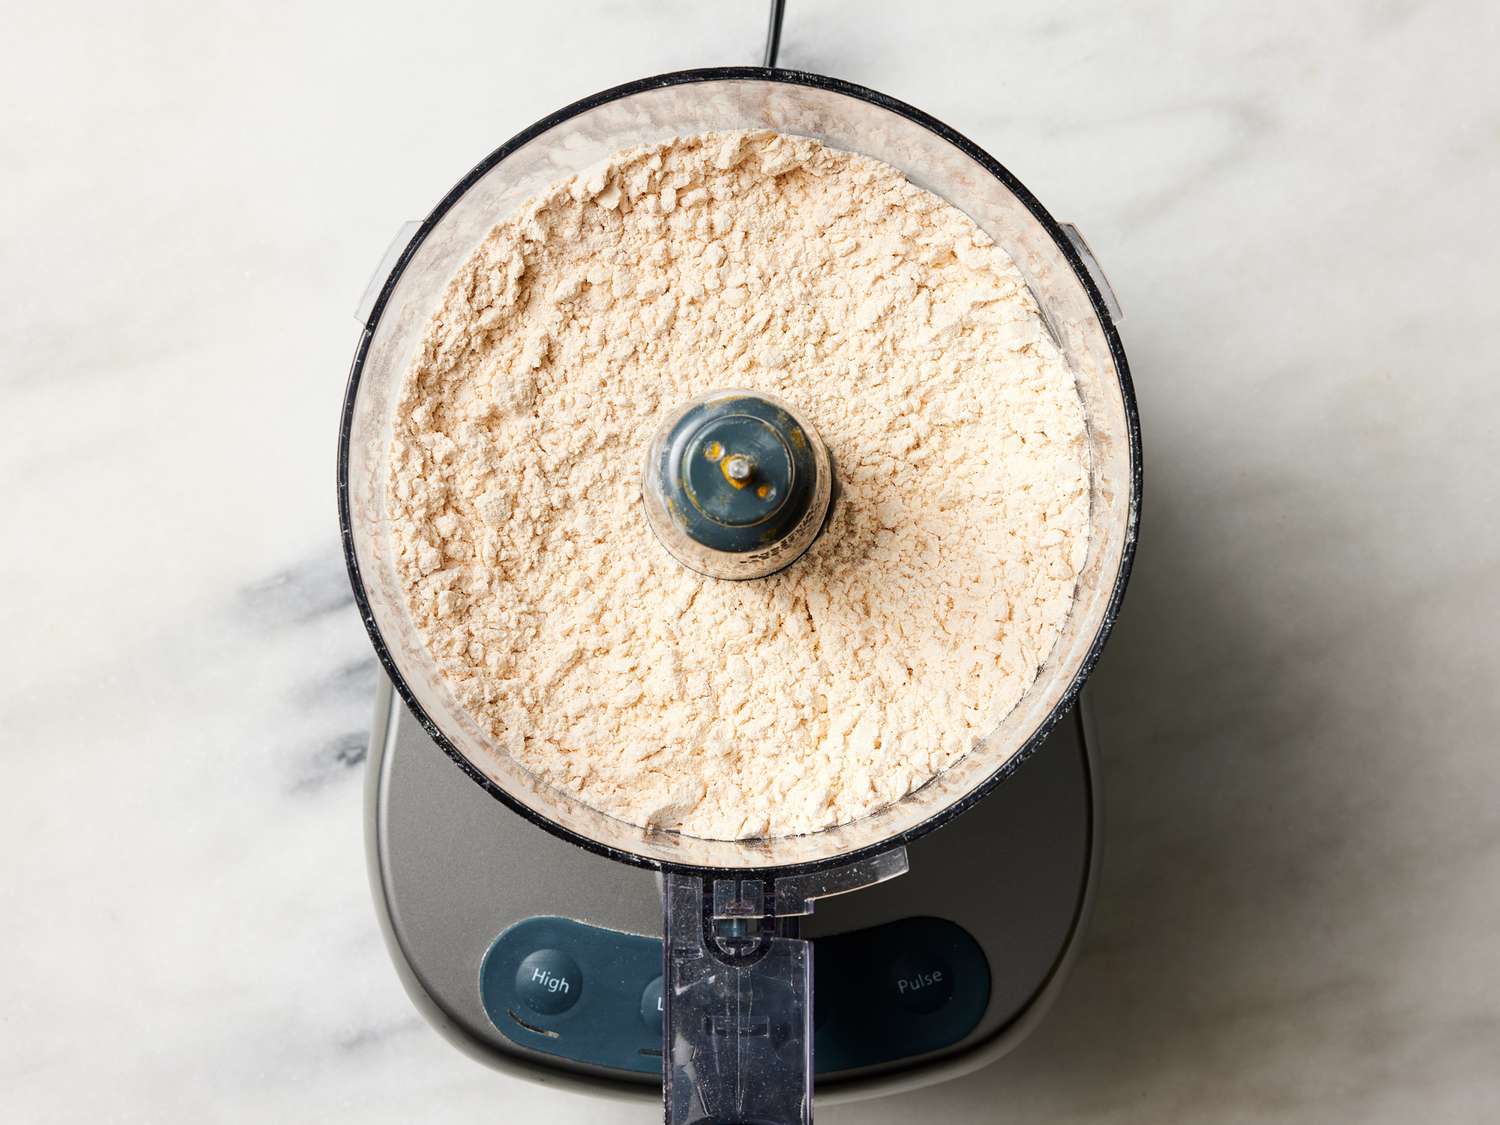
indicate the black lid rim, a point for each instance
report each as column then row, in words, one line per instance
column 1101, row 310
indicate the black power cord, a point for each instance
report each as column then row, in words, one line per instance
column 773, row 33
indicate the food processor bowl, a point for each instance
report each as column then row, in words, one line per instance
column 843, row 116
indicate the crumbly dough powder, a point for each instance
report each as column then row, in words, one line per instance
column 915, row 622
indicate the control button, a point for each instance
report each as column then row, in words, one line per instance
column 651, row 1006
column 920, row 982
column 549, row 982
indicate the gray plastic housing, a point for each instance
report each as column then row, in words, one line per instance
column 447, row 908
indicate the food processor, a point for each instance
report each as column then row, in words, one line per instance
column 554, row 940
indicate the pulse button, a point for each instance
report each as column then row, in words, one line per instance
column 920, row 982
column 549, row 982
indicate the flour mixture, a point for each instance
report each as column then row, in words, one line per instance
column 914, row 623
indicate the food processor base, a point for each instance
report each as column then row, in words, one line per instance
column 544, row 960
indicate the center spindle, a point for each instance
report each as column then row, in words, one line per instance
column 737, row 484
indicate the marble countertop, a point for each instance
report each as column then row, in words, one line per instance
column 1299, row 919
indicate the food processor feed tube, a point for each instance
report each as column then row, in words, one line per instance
column 737, row 978
column 738, row 1025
